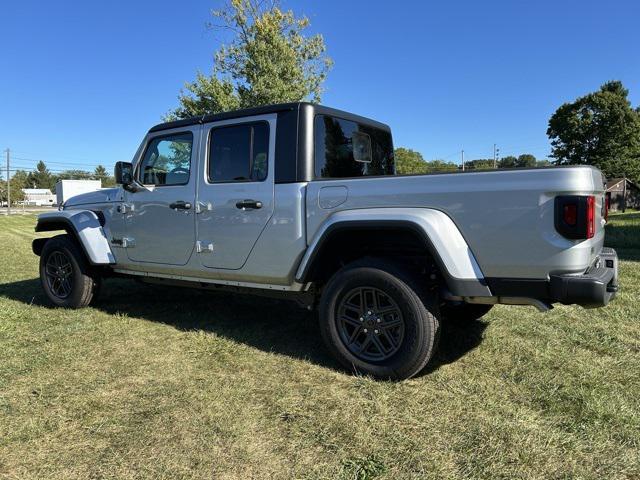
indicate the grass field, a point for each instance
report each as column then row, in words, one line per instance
column 169, row 383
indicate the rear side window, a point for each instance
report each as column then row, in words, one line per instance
column 239, row 153
column 348, row 149
column 167, row 160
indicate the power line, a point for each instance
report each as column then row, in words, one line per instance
column 85, row 164
column 53, row 157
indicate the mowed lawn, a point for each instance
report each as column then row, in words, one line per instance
column 158, row 382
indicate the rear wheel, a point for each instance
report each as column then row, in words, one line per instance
column 65, row 274
column 377, row 320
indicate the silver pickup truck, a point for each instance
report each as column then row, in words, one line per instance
column 302, row 201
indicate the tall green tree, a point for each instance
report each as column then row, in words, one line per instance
column 269, row 60
column 100, row 173
column 600, row 129
column 41, row 177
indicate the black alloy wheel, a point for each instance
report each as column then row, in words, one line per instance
column 59, row 274
column 66, row 276
column 370, row 324
column 379, row 318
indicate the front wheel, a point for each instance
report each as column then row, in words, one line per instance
column 377, row 319
column 65, row 274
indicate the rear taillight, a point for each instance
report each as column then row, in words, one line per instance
column 605, row 207
column 570, row 214
column 575, row 216
column 591, row 216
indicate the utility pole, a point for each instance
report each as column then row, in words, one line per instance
column 495, row 158
column 462, row 154
column 8, row 183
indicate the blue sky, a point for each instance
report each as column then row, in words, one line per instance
column 81, row 82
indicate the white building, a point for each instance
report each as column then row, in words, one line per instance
column 39, row 197
column 65, row 189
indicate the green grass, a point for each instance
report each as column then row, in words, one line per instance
column 169, row 383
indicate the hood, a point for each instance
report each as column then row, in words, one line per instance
column 103, row 195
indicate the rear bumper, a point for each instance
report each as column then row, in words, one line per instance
column 594, row 288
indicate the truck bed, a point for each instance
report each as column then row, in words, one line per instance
column 506, row 216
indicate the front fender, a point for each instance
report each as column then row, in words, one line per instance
column 85, row 226
column 442, row 237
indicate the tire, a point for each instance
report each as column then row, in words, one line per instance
column 65, row 274
column 463, row 313
column 375, row 294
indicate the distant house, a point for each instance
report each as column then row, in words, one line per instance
column 622, row 194
column 38, row 197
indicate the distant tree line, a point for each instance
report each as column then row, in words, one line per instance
column 411, row 162
column 42, row 177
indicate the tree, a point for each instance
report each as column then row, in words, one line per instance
column 526, row 160
column 508, row 162
column 41, row 177
column 479, row 164
column 600, row 129
column 409, row 161
column 543, row 163
column 100, row 173
column 269, row 60
column 441, row 166
column 18, row 182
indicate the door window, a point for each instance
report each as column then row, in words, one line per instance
column 167, row 160
column 239, row 153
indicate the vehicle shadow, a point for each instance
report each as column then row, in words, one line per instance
column 277, row 326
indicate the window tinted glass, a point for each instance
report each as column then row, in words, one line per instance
column 239, row 153
column 348, row 149
column 167, row 160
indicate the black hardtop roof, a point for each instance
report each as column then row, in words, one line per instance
column 281, row 107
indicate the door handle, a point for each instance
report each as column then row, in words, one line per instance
column 249, row 204
column 180, row 205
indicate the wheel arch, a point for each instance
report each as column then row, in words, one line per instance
column 85, row 226
column 432, row 230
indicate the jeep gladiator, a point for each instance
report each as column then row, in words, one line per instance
column 302, row 201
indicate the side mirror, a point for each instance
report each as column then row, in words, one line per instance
column 123, row 172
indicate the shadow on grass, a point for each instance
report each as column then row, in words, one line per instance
column 271, row 325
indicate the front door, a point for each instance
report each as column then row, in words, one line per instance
column 160, row 218
column 235, row 195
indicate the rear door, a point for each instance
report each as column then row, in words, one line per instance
column 160, row 219
column 235, row 190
